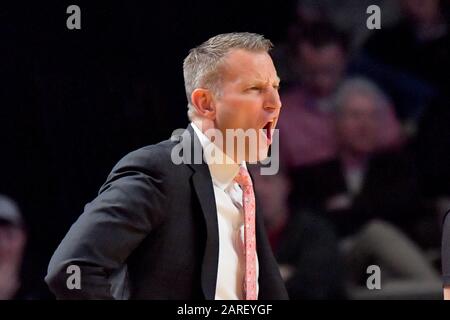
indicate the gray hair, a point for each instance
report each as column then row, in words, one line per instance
column 361, row 86
column 202, row 66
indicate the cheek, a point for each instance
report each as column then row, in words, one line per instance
column 239, row 112
column 232, row 118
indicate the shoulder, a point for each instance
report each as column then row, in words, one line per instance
column 167, row 162
column 147, row 167
column 151, row 158
column 171, row 154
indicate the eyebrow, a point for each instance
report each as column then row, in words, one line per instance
column 277, row 79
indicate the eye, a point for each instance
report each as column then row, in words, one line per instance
column 254, row 89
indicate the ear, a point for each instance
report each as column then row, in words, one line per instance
column 203, row 102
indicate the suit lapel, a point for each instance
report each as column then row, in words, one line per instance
column 202, row 183
column 205, row 193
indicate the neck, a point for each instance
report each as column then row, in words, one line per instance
column 216, row 136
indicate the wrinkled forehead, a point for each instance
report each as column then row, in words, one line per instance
column 243, row 65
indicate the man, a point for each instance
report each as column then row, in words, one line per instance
column 161, row 228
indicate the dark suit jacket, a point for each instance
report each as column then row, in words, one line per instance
column 152, row 233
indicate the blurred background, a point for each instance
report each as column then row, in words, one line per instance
column 364, row 134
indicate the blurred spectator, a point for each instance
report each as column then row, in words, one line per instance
column 372, row 198
column 348, row 16
column 419, row 43
column 325, row 39
column 411, row 59
column 306, row 125
column 305, row 245
column 12, row 242
column 273, row 191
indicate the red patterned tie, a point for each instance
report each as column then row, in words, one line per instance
column 248, row 201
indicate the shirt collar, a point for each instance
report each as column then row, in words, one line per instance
column 222, row 173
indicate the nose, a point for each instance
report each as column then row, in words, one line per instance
column 272, row 102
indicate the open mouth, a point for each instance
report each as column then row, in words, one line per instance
column 268, row 130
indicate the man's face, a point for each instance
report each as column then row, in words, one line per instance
column 322, row 68
column 248, row 97
column 358, row 124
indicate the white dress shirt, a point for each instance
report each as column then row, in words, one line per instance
column 230, row 216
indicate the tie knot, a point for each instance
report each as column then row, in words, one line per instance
column 243, row 177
